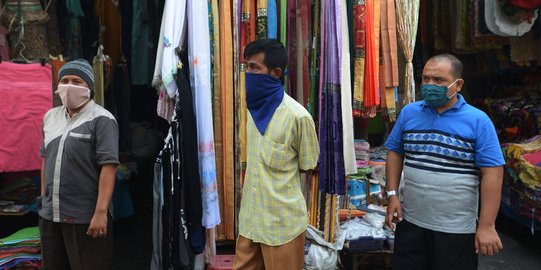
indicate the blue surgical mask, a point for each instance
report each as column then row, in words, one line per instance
column 436, row 95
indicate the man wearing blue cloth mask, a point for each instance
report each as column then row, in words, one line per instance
column 449, row 154
column 281, row 143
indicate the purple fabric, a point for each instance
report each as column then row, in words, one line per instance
column 332, row 178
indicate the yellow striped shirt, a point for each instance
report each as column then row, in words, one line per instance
column 273, row 209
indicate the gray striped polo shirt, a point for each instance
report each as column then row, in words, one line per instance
column 74, row 150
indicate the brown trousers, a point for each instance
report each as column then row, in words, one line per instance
column 257, row 256
column 66, row 246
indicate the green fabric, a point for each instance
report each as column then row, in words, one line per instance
column 74, row 8
column 26, row 234
column 283, row 32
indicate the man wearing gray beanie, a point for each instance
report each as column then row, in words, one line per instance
column 80, row 155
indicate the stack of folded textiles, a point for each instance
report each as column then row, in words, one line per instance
column 21, row 250
column 521, row 194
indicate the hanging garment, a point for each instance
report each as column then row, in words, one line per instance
column 228, row 116
column 166, row 104
column 345, row 81
column 189, row 155
column 390, row 59
column 217, row 115
column 371, row 80
column 332, row 172
column 272, row 19
column 99, row 79
column 199, row 63
column 246, row 36
column 157, row 77
column 359, row 19
column 174, row 35
column 25, row 97
column 157, row 226
column 139, row 43
column 313, row 104
column 109, row 16
column 261, row 19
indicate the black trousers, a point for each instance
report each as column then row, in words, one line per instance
column 66, row 246
column 422, row 249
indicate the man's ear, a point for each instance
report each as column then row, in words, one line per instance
column 277, row 73
column 459, row 84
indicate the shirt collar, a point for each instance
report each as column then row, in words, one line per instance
column 84, row 109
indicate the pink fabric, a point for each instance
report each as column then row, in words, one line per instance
column 533, row 158
column 25, row 97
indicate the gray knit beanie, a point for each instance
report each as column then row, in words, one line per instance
column 81, row 68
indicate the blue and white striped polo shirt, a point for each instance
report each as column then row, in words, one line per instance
column 442, row 156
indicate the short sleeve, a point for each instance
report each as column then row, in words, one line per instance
column 488, row 152
column 306, row 144
column 106, row 141
column 395, row 140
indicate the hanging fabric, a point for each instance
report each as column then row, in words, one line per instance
column 166, row 104
column 139, row 57
column 350, row 162
column 332, row 172
column 25, row 97
column 217, row 112
column 261, row 19
column 306, row 37
column 407, row 16
column 313, row 105
column 294, row 85
column 174, row 35
column 109, row 16
column 272, row 19
column 284, row 28
column 371, row 79
column 228, row 117
column 99, row 77
column 236, row 7
column 27, row 29
column 359, row 19
column 199, row 63
column 390, row 59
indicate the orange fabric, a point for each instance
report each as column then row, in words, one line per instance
column 255, row 256
column 371, row 59
column 226, row 89
column 217, row 115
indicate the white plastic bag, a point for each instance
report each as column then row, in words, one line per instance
column 319, row 254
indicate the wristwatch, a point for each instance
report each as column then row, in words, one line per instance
column 391, row 193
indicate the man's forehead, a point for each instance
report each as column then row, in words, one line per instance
column 71, row 77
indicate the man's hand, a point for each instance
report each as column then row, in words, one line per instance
column 98, row 225
column 487, row 241
column 394, row 212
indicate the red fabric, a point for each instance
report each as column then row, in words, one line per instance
column 527, row 4
column 25, row 97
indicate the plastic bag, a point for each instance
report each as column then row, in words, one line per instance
column 318, row 254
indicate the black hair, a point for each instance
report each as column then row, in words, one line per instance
column 456, row 65
column 275, row 53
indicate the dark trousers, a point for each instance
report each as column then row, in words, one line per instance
column 66, row 246
column 422, row 249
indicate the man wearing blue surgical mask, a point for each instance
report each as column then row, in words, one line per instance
column 449, row 155
column 281, row 142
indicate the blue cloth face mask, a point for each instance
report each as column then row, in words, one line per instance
column 264, row 93
column 436, row 95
